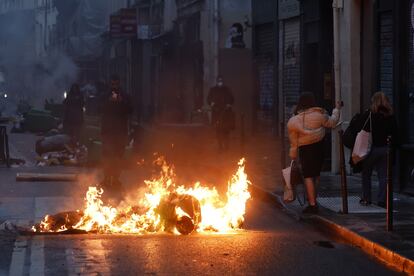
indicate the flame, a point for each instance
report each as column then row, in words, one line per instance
column 153, row 213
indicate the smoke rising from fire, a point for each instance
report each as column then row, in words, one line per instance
column 27, row 75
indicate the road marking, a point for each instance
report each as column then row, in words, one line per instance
column 37, row 256
column 87, row 257
column 18, row 257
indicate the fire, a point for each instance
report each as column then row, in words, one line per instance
column 166, row 206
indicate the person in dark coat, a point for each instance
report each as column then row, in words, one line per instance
column 221, row 99
column 384, row 125
column 73, row 112
column 114, row 130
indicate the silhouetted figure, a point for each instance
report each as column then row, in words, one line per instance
column 221, row 100
column 115, row 114
column 73, row 112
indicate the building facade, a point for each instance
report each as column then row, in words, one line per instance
column 180, row 49
column 27, row 36
column 389, row 67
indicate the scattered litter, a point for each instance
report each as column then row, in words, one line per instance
column 57, row 150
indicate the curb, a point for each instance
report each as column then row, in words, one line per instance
column 383, row 254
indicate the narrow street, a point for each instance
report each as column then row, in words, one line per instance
column 271, row 243
column 206, row 137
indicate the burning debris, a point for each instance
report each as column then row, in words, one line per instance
column 164, row 207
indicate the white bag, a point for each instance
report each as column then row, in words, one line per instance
column 289, row 193
column 363, row 143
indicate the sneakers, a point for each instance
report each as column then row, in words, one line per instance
column 311, row 209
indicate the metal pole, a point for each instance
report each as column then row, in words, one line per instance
column 344, row 185
column 390, row 207
column 336, row 6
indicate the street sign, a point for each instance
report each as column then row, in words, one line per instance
column 124, row 23
column 115, row 25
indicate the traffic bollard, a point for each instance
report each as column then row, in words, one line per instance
column 390, row 207
column 344, row 185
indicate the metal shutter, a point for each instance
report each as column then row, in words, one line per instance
column 291, row 65
column 386, row 54
column 265, row 42
column 411, row 74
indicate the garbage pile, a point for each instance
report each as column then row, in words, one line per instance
column 59, row 149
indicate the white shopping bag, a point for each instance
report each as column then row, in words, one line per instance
column 363, row 142
column 289, row 193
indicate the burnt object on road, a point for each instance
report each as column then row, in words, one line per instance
column 181, row 212
column 59, row 222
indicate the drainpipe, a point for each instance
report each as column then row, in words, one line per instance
column 336, row 6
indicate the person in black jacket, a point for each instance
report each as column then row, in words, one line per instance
column 220, row 98
column 114, row 130
column 73, row 112
column 384, row 125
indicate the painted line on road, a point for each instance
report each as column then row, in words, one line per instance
column 18, row 257
column 37, row 256
column 87, row 257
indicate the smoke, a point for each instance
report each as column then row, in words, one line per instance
column 28, row 75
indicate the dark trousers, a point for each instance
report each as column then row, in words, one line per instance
column 377, row 160
column 223, row 138
column 112, row 154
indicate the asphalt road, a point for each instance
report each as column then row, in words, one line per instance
column 271, row 244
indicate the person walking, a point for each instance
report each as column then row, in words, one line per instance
column 114, row 130
column 384, row 125
column 221, row 99
column 306, row 133
column 73, row 113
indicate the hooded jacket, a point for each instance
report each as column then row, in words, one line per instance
column 308, row 127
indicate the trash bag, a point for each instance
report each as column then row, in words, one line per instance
column 52, row 143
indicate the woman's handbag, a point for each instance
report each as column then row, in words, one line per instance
column 351, row 132
column 291, row 177
column 363, row 143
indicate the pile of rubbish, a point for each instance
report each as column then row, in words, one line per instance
column 59, row 149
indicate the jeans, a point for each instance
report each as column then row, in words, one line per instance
column 377, row 160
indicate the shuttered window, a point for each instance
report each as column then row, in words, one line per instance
column 386, row 54
column 265, row 45
column 410, row 91
column 291, row 64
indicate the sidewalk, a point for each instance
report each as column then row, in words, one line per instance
column 364, row 227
